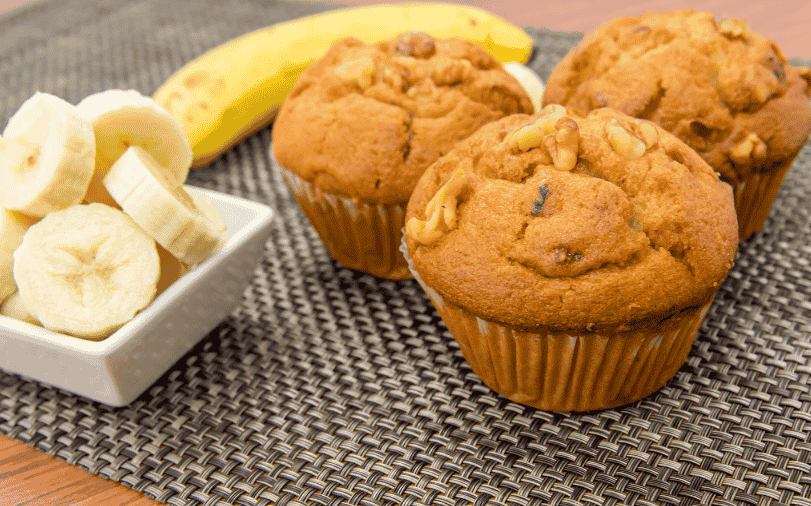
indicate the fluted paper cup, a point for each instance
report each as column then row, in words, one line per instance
column 359, row 235
column 754, row 196
column 570, row 371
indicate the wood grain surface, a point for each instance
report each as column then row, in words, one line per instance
column 31, row 478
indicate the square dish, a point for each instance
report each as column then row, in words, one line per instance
column 117, row 369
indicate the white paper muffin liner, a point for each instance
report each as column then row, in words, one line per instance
column 570, row 371
column 359, row 235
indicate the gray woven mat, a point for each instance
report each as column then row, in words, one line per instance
column 327, row 386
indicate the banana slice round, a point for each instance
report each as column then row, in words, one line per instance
column 210, row 211
column 124, row 118
column 530, row 80
column 12, row 229
column 13, row 307
column 86, row 270
column 47, row 154
column 138, row 183
column 173, row 269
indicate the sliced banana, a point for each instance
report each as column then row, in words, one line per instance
column 530, row 80
column 12, row 229
column 47, row 154
column 210, row 211
column 86, row 270
column 172, row 269
column 13, row 307
column 162, row 208
column 124, row 118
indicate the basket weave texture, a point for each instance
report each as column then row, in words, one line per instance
column 327, row 386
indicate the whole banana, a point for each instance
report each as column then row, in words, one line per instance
column 237, row 88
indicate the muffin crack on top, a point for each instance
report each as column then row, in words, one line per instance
column 574, row 254
column 567, row 215
column 366, row 120
column 725, row 90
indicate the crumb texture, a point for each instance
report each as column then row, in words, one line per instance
column 639, row 227
column 366, row 120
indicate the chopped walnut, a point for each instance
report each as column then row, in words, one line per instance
column 424, row 88
column 417, row 44
column 749, row 150
column 564, row 144
column 409, row 68
column 392, row 78
column 525, row 138
column 441, row 210
column 532, row 135
column 762, row 83
column 560, row 138
column 647, row 132
column 406, row 63
column 550, row 115
column 359, row 71
column 623, row 143
column 449, row 71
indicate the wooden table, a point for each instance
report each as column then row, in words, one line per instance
column 31, row 478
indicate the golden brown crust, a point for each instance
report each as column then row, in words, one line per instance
column 640, row 228
column 367, row 119
column 726, row 91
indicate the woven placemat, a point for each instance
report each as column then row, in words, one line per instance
column 327, row 386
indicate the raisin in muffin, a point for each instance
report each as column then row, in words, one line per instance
column 573, row 259
column 362, row 124
column 723, row 89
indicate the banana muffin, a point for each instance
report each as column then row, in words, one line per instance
column 725, row 90
column 363, row 122
column 573, row 259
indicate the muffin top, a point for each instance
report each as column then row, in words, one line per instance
column 366, row 120
column 726, row 91
column 570, row 223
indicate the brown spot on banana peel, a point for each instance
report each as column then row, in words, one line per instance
column 195, row 79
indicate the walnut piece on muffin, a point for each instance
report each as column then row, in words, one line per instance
column 366, row 120
column 725, row 90
column 562, row 222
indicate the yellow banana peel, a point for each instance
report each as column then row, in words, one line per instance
column 238, row 87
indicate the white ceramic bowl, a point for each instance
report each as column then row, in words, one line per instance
column 120, row 367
